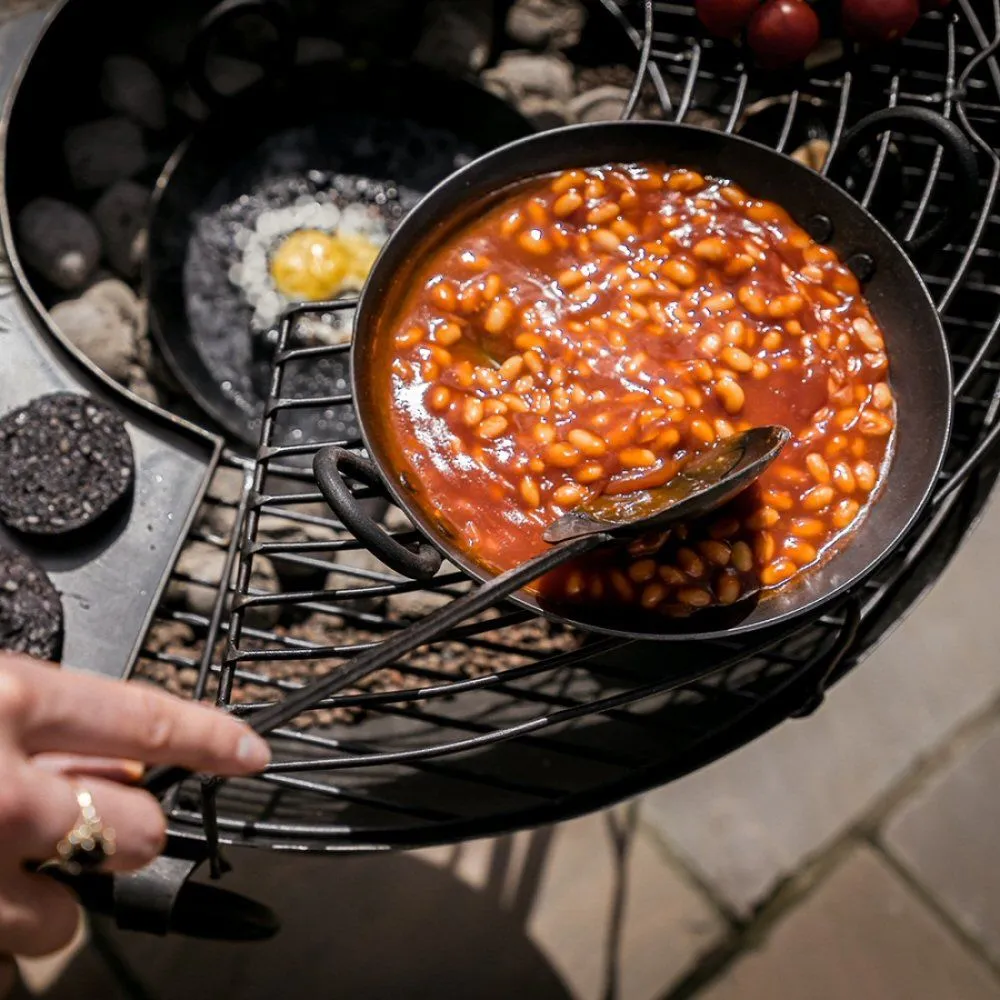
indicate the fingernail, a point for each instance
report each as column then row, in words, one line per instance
column 253, row 752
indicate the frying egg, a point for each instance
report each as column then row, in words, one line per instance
column 306, row 253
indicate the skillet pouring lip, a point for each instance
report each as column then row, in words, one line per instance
column 754, row 166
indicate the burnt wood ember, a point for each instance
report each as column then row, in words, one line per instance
column 31, row 619
column 65, row 462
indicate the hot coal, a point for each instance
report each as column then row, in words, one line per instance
column 65, row 462
column 31, row 619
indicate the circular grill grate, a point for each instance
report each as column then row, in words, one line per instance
column 508, row 721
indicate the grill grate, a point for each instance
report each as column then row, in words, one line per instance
column 510, row 721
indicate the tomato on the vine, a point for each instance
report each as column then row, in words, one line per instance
column 783, row 32
column 879, row 20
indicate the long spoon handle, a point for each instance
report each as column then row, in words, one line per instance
column 479, row 599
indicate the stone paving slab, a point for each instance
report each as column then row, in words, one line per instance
column 862, row 935
column 750, row 820
column 531, row 916
column 566, row 883
column 948, row 836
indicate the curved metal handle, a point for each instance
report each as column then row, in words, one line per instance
column 280, row 56
column 420, row 562
column 927, row 123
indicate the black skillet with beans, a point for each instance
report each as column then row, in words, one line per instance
column 597, row 328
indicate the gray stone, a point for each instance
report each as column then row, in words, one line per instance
column 139, row 385
column 521, row 75
column 358, row 559
column 862, row 935
column 947, row 836
column 105, row 324
column 130, row 87
column 457, row 36
column 748, row 821
column 101, row 152
column 599, row 105
column 545, row 112
column 310, row 51
column 121, row 217
column 189, row 104
column 59, row 241
column 203, row 565
column 273, row 528
column 231, row 76
column 540, row 24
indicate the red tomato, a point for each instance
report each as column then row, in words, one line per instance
column 783, row 32
column 879, row 20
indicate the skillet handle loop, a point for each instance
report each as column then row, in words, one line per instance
column 277, row 57
column 420, row 562
column 930, row 124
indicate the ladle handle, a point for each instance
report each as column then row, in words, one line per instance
column 479, row 599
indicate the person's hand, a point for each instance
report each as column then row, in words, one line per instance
column 62, row 732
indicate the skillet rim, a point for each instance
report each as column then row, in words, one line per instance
column 366, row 317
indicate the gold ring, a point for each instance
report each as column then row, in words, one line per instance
column 89, row 843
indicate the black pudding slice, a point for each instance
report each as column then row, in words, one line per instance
column 65, row 461
column 31, row 619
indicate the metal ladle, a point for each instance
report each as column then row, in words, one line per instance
column 707, row 482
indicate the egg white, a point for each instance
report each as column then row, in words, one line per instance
column 252, row 273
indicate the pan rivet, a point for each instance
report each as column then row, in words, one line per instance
column 862, row 265
column 820, row 228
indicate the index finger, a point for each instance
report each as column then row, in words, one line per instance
column 56, row 710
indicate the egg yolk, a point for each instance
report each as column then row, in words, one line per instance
column 309, row 265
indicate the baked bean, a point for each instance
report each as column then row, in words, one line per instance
column 800, row 552
column 843, row 478
column 703, row 431
column 680, row 272
column 865, row 476
column 764, row 546
column 818, row 468
column 712, row 250
column 694, row 597
column 606, row 240
column 636, row 458
column 448, row 334
column 567, row 495
column 439, row 398
column 492, row 427
column 868, row 335
column 807, row 527
column 530, row 492
column 690, row 562
column 562, row 455
column 603, row 213
column 671, row 575
column 498, row 316
column 777, row 572
column 785, row 306
column 844, row 513
column 567, row 204
column 715, row 552
column 642, row 571
column 763, row 517
column 620, row 582
column 731, row 395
